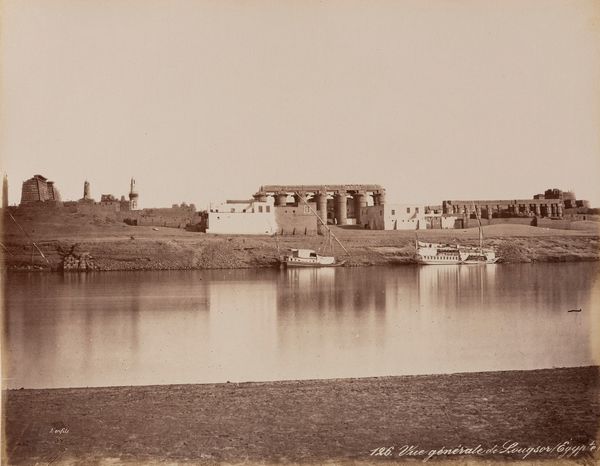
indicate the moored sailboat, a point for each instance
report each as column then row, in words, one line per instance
column 308, row 258
column 443, row 254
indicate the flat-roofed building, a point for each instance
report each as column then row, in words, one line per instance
column 242, row 217
column 394, row 217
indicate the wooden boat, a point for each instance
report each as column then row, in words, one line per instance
column 443, row 254
column 308, row 258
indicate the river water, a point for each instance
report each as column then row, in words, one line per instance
column 145, row 328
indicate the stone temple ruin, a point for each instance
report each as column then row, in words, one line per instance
column 331, row 201
column 39, row 189
column 553, row 204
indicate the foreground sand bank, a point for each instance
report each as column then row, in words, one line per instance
column 312, row 422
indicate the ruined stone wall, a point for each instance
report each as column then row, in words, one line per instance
column 566, row 224
column 106, row 210
column 582, row 216
column 296, row 220
column 172, row 217
column 52, row 192
column 171, row 221
column 473, row 223
column 372, row 217
column 553, row 223
column 543, row 222
column 440, row 222
column 38, row 208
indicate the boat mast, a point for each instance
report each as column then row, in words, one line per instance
column 322, row 223
column 480, row 229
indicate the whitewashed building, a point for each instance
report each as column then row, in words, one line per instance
column 394, row 217
column 246, row 217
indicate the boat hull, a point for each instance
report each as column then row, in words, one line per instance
column 304, row 264
column 438, row 262
column 457, row 262
column 445, row 254
column 485, row 262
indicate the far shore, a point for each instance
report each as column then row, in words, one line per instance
column 549, row 416
column 117, row 246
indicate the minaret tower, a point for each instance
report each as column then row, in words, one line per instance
column 133, row 196
column 86, row 191
column 5, row 191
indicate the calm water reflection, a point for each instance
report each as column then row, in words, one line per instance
column 213, row 326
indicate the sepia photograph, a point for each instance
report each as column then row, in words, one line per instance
column 302, row 232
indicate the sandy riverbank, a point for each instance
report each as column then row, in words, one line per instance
column 310, row 422
column 116, row 246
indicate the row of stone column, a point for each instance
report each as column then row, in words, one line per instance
column 546, row 210
column 340, row 202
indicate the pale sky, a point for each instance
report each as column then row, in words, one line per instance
column 207, row 100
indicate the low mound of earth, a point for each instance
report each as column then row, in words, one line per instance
column 117, row 246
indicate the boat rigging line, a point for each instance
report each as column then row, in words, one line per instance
column 324, row 223
column 30, row 239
